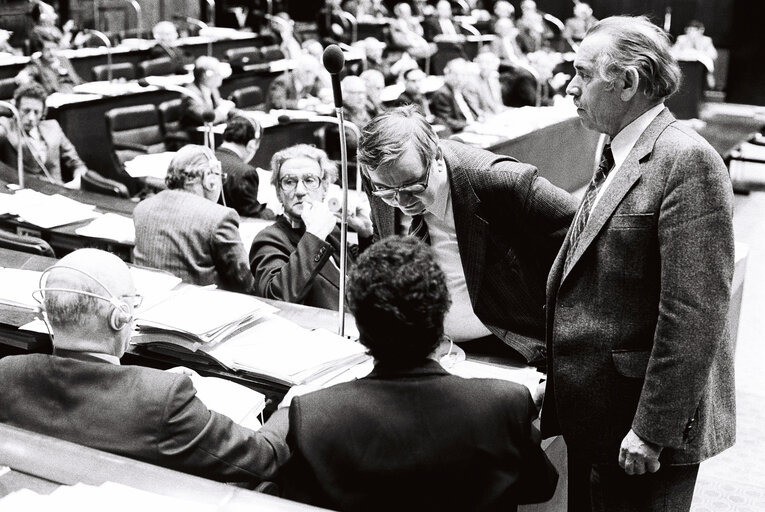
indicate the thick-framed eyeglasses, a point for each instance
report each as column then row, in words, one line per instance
column 412, row 188
column 289, row 183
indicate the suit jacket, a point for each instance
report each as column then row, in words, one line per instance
column 637, row 334
column 241, row 185
column 416, row 439
column 175, row 54
column 446, row 111
column 193, row 109
column 57, row 77
column 137, row 412
column 192, row 238
column 510, row 224
column 61, row 159
column 294, row 266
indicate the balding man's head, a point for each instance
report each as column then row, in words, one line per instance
column 80, row 320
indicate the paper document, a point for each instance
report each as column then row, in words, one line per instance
column 17, row 287
column 153, row 165
column 47, row 211
column 527, row 376
column 110, row 226
column 243, row 405
column 153, row 285
column 58, row 99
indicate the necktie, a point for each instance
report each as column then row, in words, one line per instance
column 463, row 106
column 583, row 214
column 419, row 229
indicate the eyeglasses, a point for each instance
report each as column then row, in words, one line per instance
column 137, row 299
column 289, row 183
column 217, row 169
column 392, row 193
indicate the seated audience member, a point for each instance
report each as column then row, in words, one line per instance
column 441, row 26
column 5, row 46
column 355, row 101
column 448, row 104
column 297, row 258
column 489, row 86
column 241, row 140
column 44, row 28
column 503, row 10
column 208, row 77
column 46, row 150
column 51, row 70
column 331, row 24
column 373, row 49
column 166, row 35
column 82, row 394
column 694, row 45
column 375, row 83
column 407, row 33
column 533, row 33
column 413, row 95
column 283, row 25
column 371, row 9
column 411, row 436
column 184, row 231
column 300, row 88
column 578, row 26
column 506, row 45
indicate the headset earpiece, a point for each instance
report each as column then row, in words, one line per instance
column 120, row 316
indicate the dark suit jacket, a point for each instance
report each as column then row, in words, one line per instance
column 417, row 439
column 294, row 266
column 510, row 224
column 519, row 87
column 62, row 160
column 142, row 413
column 175, row 54
column 241, row 185
column 637, row 325
column 193, row 238
column 445, row 109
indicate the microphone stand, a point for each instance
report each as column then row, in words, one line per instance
column 20, row 149
column 100, row 35
column 343, row 219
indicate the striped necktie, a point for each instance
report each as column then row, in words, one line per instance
column 419, row 229
column 583, row 214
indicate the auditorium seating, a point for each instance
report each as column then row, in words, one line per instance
column 170, row 124
column 133, row 131
column 7, row 86
column 247, row 97
column 156, row 67
column 124, row 70
column 23, row 243
column 94, row 182
column 240, row 57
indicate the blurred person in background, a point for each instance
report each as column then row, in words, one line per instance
column 51, row 70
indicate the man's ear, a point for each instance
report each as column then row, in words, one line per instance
column 631, row 80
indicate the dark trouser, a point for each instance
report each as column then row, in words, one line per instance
column 607, row 488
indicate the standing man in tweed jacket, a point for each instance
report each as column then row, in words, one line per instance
column 640, row 364
column 494, row 225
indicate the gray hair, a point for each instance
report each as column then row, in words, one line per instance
column 327, row 166
column 638, row 43
column 189, row 162
column 66, row 310
column 385, row 138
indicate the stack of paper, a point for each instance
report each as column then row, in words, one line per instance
column 46, row 211
column 111, row 227
column 197, row 316
column 243, row 405
column 152, row 165
column 18, row 286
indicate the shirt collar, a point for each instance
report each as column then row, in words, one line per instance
column 625, row 140
column 440, row 183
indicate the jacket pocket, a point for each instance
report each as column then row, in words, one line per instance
column 631, row 363
column 632, row 221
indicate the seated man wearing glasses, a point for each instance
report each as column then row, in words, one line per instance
column 82, row 394
column 410, row 436
column 184, row 231
column 298, row 258
column 495, row 227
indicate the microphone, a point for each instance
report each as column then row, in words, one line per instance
column 334, row 61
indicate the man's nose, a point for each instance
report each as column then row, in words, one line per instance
column 573, row 88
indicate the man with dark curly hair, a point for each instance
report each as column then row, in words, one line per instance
column 410, row 435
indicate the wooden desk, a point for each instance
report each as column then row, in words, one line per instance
column 42, row 463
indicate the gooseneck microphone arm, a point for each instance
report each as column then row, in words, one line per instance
column 100, row 35
column 334, row 61
column 20, row 148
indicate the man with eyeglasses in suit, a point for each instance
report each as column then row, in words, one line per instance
column 297, row 258
column 184, row 231
column 494, row 224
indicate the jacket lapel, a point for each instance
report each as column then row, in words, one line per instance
column 626, row 177
column 471, row 229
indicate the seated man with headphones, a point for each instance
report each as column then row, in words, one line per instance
column 184, row 231
column 82, row 394
column 47, row 151
column 203, row 101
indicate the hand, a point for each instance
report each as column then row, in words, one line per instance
column 318, row 219
column 74, row 184
column 636, row 456
column 360, row 222
column 68, row 26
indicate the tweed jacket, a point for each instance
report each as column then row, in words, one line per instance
column 416, row 439
column 241, row 186
column 192, row 238
column 137, row 412
column 510, row 224
column 636, row 324
column 61, row 159
column 294, row 266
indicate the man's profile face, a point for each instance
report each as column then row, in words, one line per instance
column 597, row 101
column 31, row 112
column 407, row 170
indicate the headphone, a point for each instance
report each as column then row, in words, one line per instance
column 120, row 315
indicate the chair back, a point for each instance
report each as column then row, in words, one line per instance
column 134, row 130
column 170, row 123
column 156, row 67
column 124, row 70
column 95, row 182
column 239, row 57
column 7, row 86
column 272, row 52
column 247, row 97
column 23, row 243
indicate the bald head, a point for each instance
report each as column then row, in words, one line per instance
column 80, row 321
